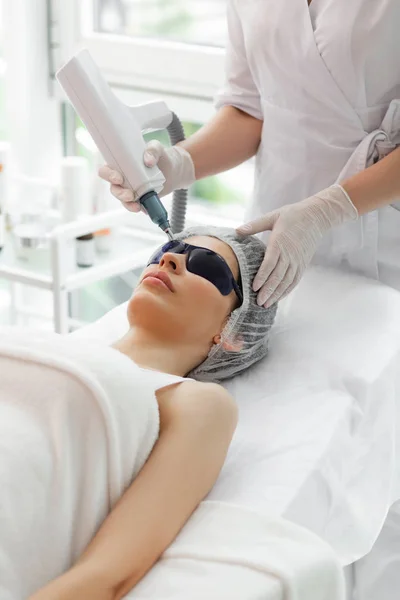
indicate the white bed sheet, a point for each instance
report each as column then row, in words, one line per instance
column 319, row 429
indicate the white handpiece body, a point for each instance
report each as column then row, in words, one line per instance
column 117, row 129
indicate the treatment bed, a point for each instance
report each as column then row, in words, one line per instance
column 317, row 445
column 310, row 477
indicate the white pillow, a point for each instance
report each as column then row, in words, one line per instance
column 107, row 330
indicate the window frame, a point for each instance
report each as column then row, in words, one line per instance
column 141, row 64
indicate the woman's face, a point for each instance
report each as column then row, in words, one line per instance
column 195, row 311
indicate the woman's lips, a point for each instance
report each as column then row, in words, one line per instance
column 160, row 278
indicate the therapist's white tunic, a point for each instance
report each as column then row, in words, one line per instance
column 325, row 80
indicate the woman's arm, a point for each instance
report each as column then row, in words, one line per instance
column 197, row 422
column 231, row 137
column 376, row 186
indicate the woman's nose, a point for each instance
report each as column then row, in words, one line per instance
column 175, row 262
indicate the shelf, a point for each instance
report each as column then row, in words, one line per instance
column 33, row 272
column 128, row 251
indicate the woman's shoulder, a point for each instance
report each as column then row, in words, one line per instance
column 201, row 389
column 190, row 398
column 195, row 389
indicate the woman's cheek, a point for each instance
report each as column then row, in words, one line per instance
column 208, row 300
column 203, row 292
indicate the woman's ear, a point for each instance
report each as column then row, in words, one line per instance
column 229, row 345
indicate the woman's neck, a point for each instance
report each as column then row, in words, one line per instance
column 161, row 355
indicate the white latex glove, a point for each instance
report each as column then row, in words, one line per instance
column 175, row 163
column 296, row 230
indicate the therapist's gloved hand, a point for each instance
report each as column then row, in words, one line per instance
column 296, row 230
column 175, row 163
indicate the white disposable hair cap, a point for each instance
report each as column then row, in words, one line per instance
column 249, row 325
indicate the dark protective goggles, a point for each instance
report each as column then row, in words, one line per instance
column 202, row 262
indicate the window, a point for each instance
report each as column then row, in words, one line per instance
column 200, row 22
column 163, row 46
column 169, row 49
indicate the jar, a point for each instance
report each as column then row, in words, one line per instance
column 85, row 250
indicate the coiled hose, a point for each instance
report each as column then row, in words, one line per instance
column 179, row 198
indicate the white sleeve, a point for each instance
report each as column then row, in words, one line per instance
column 239, row 89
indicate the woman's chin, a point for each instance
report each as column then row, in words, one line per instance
column 149, row 307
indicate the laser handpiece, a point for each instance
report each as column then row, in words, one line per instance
column 117, row 130
column 156, row 211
